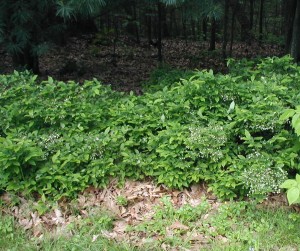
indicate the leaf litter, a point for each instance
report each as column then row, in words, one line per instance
column 143, row 198
column 131, row 64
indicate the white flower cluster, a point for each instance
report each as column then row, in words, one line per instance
column 227, row 97
column 49, row 142
column 90, row 144
column 262, row 176
column 207, row 141
column 269, row 126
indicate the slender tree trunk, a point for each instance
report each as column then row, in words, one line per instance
column 184, row 29
column 261, row 16
column 149, row 28
column 193, row 28
column 136, row 27
column 212, row 45
column 165, row 30
column 232, row 33
column 290, row 7
column 176, row 29
column 204, row 29
column 159, row 35
column 251, row 13
column 199, row 27
column 295, row 41
column 225, row 30
column 172, row 20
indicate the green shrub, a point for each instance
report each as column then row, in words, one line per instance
column 202, row 128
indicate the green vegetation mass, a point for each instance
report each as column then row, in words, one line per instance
column 232, row 131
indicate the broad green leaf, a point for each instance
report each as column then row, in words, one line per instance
column 248, row 135
column 296, row 123
column 293, row 195
column 288, row 184
column 298, row 178
column 288, row 113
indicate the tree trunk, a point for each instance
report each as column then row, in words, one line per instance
column 204, row 29
column 225, row 30
column 242, row 18
column 290, row 7
column 149, row 28
column 261, row 15
column 165, row 30
column 159, row 35
column 232, row 33
column 295, row 41
column 136, row 27
column 193, row 29
column 212, row 44
column 172, row 20
column 251, row 13
column 184, row 30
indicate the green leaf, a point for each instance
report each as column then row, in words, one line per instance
column 248, row 135
column 50, row 80
column 296, row 123
column 293, row 195
column 96, row 91
column 288, row 184
column 287, row 114
column 231, row 107
column 298, row 178
column 55, row 157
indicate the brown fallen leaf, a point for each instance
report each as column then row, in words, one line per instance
column 120, row 226
column 178, row 226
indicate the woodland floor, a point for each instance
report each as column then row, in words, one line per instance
column 86, row 57
column 142, row 199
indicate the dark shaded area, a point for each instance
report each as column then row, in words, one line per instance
column 127, row 66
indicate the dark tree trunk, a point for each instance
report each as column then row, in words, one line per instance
column 172, row 20
column 193, row 28
column 243, row 20
column 295, row 40
column 232, row 33
column 199, row 28
column 159, row 35
column 290, row 7
column 165, row 30
column 149, row 28
column 184, row 29
column 204, row 29
column 261, row 16
column 251, row 13
column 136, row 27
column 176, row 29
column 225, row 30
column 212, row 44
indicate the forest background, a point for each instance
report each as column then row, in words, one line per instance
column 121, row 42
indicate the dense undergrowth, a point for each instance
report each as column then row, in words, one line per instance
column 232, row 131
